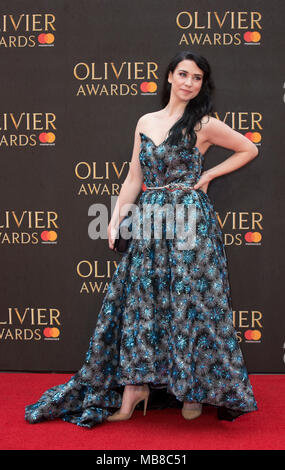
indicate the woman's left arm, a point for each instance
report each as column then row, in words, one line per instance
column 218, row 133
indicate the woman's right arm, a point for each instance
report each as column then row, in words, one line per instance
column 129, row 191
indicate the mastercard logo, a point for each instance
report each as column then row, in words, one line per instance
column 253, row 237
column 255, row 137
column 48, row 235
column 148, row 87
column 51, row 332
column 252, row 335
column 252, row 36
column 46, row 38
column 47, row 137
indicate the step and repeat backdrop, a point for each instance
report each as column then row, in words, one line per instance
column 76, row 75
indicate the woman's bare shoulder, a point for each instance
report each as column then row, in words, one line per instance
column 212, row 124
column 206, row 119
column 147, row 120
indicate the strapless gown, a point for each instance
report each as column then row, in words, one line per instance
column 166, row 319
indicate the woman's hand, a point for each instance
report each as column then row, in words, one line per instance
column 203, row 182
column 112, row 231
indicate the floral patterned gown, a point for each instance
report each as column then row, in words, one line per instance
column 166, row 319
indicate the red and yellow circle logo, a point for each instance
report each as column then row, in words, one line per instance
column 252, row 36
column 46, row 38
column 255, row 137
column 252, row 335
column 48, row 235
column 51, row 332
column 253, row 237
column 47, row 137
column 148, row 87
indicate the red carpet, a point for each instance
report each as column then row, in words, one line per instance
column 158, row 430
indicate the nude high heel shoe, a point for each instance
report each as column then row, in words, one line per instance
column 192, row 413
column 117, row 416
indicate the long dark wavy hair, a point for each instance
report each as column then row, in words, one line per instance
column 198, row 107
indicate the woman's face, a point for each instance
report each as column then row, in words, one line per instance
column 186, row 80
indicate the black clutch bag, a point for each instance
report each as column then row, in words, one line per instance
column 122, row 242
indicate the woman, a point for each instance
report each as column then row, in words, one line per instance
column 165, row 327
